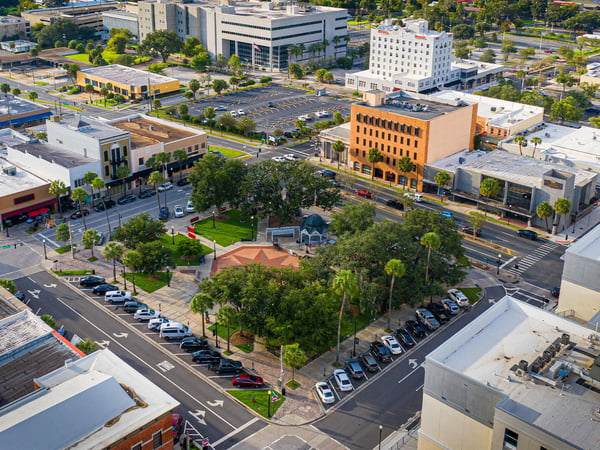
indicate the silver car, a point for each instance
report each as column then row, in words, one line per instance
column 458, row 297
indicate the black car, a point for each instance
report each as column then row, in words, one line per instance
column 353, row 368
column 369, row 362
column 415, row 328
column 91, row 281
column 164, row 213
column 528, row 234
column 192, row 343
column 104, row 288
column 395, row 204
column 147, row 193
column 79, row 213
column 100, row 206
column 206, row 356
column 380, row 352
column 439, row 312
column 471, row 231
column 226, row 365
column 271, row 105
column 127, row 199
column 132, row 306
column 404, row 337
column 183, row 182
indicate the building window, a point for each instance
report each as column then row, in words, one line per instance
column 141, row 161
column 415, row 156
column 106, row 171
column 157, row 439
column 137, row 446
column 511, row 440
column 105, row 155
column 24, row 199
column 124, row 151
column 408, row 141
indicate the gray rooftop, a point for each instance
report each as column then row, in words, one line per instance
column 127, row 75
column 341, row 132
column 20, row 106
column 588, row 246
column 90, row 127
column 56, row 155
column 417, row 108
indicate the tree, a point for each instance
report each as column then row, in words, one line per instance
column 89, row 239
column 157, row 104
column 488, row 56
column 200, row 303
column 180, row 155
column 98, row 184
column 5, row 89
column 16, row 92
column 49, row 320
column 396, row 269
column 191, row 46
column 57, row 188
column 328, row 77
column 155, row 256
column 133, row 260
column 353, row 218
column 235, row 64
column 89, row 89
column 320, row 73
column 32, row 95
column 544, row 210
column 104, row 92
column 121, row 173
column 489, row 187
column 338, row 118
column 79, row 195
column 183, row 109
column 87, row 179
column 161, row 42
column 228, row 316
column 462, row 52
column 138, row 230
column 430, row 241
column 62, row 232
column 344, row 285
column 112, row 252
column 566, row 80
column 9, row 285
column 566, row 109
column 227, row 121
column 193, row 86
column 406, row 165
column 507, row 48
column 200, row 62
column 562, row 207
column 246, row 124
column 442, row 179
column 294, row 357
column 338, row 147
column 219, row 85
column 520, row 140
column 374, row 157
column 87, row 346
column 296, row 71
column 117, row 42
column 526, row 52
column 463, row 31
column 536, row 140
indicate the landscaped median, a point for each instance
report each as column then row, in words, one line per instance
column 258, row 400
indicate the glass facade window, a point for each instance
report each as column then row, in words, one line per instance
column 518, row 196
column 511, row 440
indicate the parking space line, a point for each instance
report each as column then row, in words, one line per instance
column 419, row 388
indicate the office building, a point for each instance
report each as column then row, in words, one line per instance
column 18, row 113
column 407, row 126
column 409, row 56
column 259, row 32
column 129, row 82
column 517, row 377
column 330, row 136
column 12, row 27
column 121, row 18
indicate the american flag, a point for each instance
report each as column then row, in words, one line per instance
column 256, row 47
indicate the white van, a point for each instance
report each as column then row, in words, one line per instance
column 415, row 197
column 117, row 296
column 174, row 330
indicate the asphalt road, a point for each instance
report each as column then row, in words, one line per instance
column 208, row 412
column 396, row 395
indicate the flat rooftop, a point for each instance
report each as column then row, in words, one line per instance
column 88, row 126
column 519, row 169
column 452, row 162
column 341, row 132
column 489, row 349
column 19, row 106
column 144, row 131
column 588, row 246
column 20, row 181
column 417, row 108
column 57, row 155
column 127, row 75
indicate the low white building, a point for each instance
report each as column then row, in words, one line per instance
column 120, row 18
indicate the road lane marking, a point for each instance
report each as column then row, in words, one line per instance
column 236, row 431
column 410, row 373
column 419, row 388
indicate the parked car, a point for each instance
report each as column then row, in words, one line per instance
column 380, row 352
column 183, row 182
column 226, row 365
column 528, row 234
column 133, row 305
column 190, row 207
column 305, row 117
column 129, row 198
column 458, row 297
column 291, row 157
column 142, row 315
column 292, row 134
column 369, row 362
column 395, row 204
column 79, row 213
column 324, row 393
column 327, row 173
column 271, row 105
column 91, row 281
column 415, row 328
column 450, row 306
column 147, row 193
column 165, row 187
column 363, row 193
column 154, row 324
column 206, row 356
column 439, row 312
column 353, row 368
column 427, row 319
column 404, row 337
column 278, row 159
column 471, row 231
column 342, row 380
column 164, row 213
column 178, row 211
column 234, row 114
column 555, row 292
column 221, row 108
column 392, row 344
column 102, row 289
column 100, row 206
column 19, row 295
column 117, row 297
column 246, row 380
column 193, row 343
column 241, row 112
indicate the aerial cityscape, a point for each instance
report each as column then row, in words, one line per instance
column 299, row 225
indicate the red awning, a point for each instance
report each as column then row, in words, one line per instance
column 28, row 209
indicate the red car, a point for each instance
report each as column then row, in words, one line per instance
column 245, row 380
column 363, row 193
column 547, row 51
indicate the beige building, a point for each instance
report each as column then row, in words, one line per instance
column 331, row 135
column 515, row 378
column 11, row 26
column 84, row 14
column 592, row 76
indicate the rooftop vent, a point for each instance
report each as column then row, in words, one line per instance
column 10, row 170
column 151, row 127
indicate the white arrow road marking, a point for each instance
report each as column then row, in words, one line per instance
column 103, row 344
column 165, row 366
column 412, row 363
column 199, row 415
column 216, row 403
column 35, row 293
column 53, row 285
column 120, row 335
column 491, row 301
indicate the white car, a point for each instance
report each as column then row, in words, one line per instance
column 234, row 114
column 190, row 207
column 241, row 112
column 322, row 113
column 342, row 380
column 392, row 344
column 154, row 324
column 278, row 158
column 165, row 187
column 178, row 209
column 291, row 157
column 458, row 297
column 324, row 393
column 146, row 314
column 305, row 117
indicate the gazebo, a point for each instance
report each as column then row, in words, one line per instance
column 313, row 230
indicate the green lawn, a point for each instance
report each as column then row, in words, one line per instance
column 471, row 293
column 260, row 397
column 227, row 231
column 148, row 282
column 63, row 249
column 168, row 239
column 246, row 348
column 228, row 152
column 109, row 102
column 73, row 272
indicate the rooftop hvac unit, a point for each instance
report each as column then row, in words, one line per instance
column 151, row 127
column 10, row 170
column 493, row 109
column 462, row 160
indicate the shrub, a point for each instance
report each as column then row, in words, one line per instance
column 265, row 80
column 188, row 94
column 80, row 47
column 247, row 83
column 119, row 98
column 74, row 91
column 124, row 60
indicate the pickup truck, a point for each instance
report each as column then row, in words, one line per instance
column 226, row 365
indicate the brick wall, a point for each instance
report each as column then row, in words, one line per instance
column 144, row 436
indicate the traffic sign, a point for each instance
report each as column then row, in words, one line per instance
column 274, row 398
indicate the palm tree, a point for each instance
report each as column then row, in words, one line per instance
column 562, row 207
column 5, row 89
column 113, row 251
column 294, row 357
column 228, row 316
column 430, row 241
column 336, row 41
column 87, row 179
column 87, row 346
column 98, row 184
column 89, row 89
column 163, row 158
column 324, row 46
column 442, row 179
column 58, row 188
column 544, row 210
column 156, row 179
column 406, row 165
column 104, row 92
column 89, row 239
column 520, row 141
column 374, row 157
column 121, row 173
column 201, row 302
column 133, row 260
column 490, row 187
column 180, row 155
column 536, row 140
column 521, row 74
column 395, row 268
column 338, row 147
column 291, row 50
column 79, row 195
column 345, row 285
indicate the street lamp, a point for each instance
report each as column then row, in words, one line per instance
column 251, row 228
column 508, row 214
column 44, row 242
column 172, row 235
column 214, row 226
column 498, row 263
column 354, row 343
column 124, row 277
column 168, row 277
column 380, row 431
column 269, row 404
column 215, row 249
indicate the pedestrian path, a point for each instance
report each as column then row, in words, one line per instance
column 525, row 263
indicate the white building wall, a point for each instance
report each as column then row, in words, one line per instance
column 72, row 140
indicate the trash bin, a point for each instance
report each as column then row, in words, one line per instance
column 283, row 391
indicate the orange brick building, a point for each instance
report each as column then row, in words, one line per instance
column 402, row 126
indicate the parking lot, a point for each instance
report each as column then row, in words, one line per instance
column 288, row 105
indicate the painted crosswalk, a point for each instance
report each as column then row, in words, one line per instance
column 526, row 262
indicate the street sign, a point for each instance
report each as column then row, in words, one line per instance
column 274, row 398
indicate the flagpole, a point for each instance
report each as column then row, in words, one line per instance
column 253, row 50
